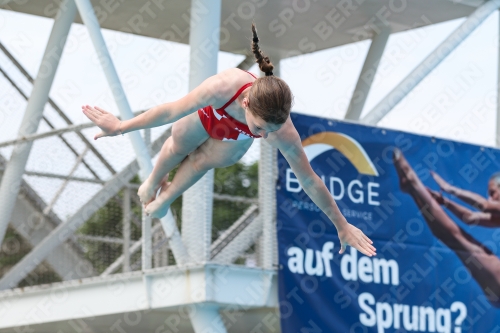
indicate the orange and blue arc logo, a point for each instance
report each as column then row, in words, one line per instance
column 319, row 143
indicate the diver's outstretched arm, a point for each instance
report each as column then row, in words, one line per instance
column 207, row 93
column 466, row 215
column 469, row 197
column 483, row 264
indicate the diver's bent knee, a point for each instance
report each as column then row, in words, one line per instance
column 176, row 149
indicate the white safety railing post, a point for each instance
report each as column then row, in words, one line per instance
column 147, row 244
column 12, row 176
column 126, row 229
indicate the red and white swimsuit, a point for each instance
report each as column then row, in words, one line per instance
column 221, row 126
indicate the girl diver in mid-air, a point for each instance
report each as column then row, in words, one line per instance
column 215, row 124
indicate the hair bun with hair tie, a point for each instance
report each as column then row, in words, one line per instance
column 269, row 73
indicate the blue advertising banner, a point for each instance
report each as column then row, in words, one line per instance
column 432, row 209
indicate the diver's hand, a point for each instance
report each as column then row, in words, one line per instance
column 443, row 184
column 107, row 122
column 350, row 235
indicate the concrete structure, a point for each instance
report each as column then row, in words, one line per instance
column 159, row 299
column 204, row 289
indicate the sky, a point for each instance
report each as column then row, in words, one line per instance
column 458, row 100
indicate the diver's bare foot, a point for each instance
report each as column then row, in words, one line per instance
column 443, row 184
column 408, row 180
column 158, row 207
column 147, row 191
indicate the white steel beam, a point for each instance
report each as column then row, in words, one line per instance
column 72, row 128
column 430, row 62
column 71, row 148
column 101, row 239
column 367, row 74
column 29, row 138
column 235, row 198
column 66, row 229
column 65, row 177
column 197, row 201
column 56, row 108
column 248, row 62
column 33, row 225
column 90, row 20
column 67, row 259
column 34, row 110
column 182, row 288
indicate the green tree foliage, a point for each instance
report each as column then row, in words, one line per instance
column 14, row 248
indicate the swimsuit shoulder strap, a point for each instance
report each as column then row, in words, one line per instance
column 235, row 96
column 248, row 73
